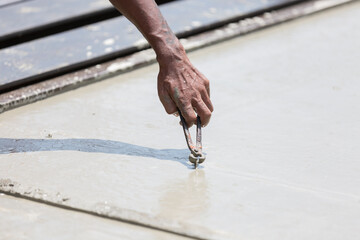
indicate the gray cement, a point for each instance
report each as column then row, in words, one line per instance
column 23, row 219
column 282, row 145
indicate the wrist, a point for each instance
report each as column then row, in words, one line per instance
column 167, row 53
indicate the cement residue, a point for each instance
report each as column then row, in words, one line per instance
column 14, row 188
column 162, row 222
column 7, row 184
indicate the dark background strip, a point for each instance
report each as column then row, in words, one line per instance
column 16, row 27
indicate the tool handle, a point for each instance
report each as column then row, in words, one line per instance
column 195, row 150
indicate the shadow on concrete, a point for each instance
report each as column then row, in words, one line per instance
column 9, row 145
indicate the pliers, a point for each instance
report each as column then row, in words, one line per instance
column 196, row 156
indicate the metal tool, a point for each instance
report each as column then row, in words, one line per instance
column 196, row 156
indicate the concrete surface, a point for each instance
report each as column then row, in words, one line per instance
column 282, row 145
column 23, row 219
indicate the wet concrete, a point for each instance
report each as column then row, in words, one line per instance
column 282, row 145
column 23, row 219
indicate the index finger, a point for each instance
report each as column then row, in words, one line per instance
column 189, row 115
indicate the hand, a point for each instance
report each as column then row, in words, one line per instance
column 182, row 86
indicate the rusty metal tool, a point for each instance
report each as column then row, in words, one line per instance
column 196, row 156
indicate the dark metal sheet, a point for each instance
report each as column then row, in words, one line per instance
column 102, row 41
column 9, row 2
column 31, row 14
column 29, row 21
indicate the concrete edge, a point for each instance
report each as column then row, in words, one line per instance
column 103, row 210
column 71, row 81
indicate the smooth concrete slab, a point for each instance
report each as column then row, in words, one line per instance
column 23, row 219
column 282, row 144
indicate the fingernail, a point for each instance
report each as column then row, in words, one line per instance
column 176, row 114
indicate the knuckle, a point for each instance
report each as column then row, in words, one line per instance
column 190, row 117
column 196, row 100
column 167, row 84
column 204, row 93
column 206, row 82
column 208, row 114
column 210, row 105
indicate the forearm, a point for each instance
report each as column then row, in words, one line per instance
column 180, row 85
column 146, row 16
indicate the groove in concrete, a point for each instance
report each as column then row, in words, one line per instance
column 115, row 218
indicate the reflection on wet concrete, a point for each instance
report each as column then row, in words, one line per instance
column 186, row 198
column 9, row 145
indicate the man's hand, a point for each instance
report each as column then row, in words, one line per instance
column 181, row 86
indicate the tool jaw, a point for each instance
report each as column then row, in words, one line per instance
column 199, row 157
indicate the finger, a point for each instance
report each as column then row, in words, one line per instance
column 189, row 115
column 168, row 104
column 206, row 81
column 204, row 112
column 205, row 97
